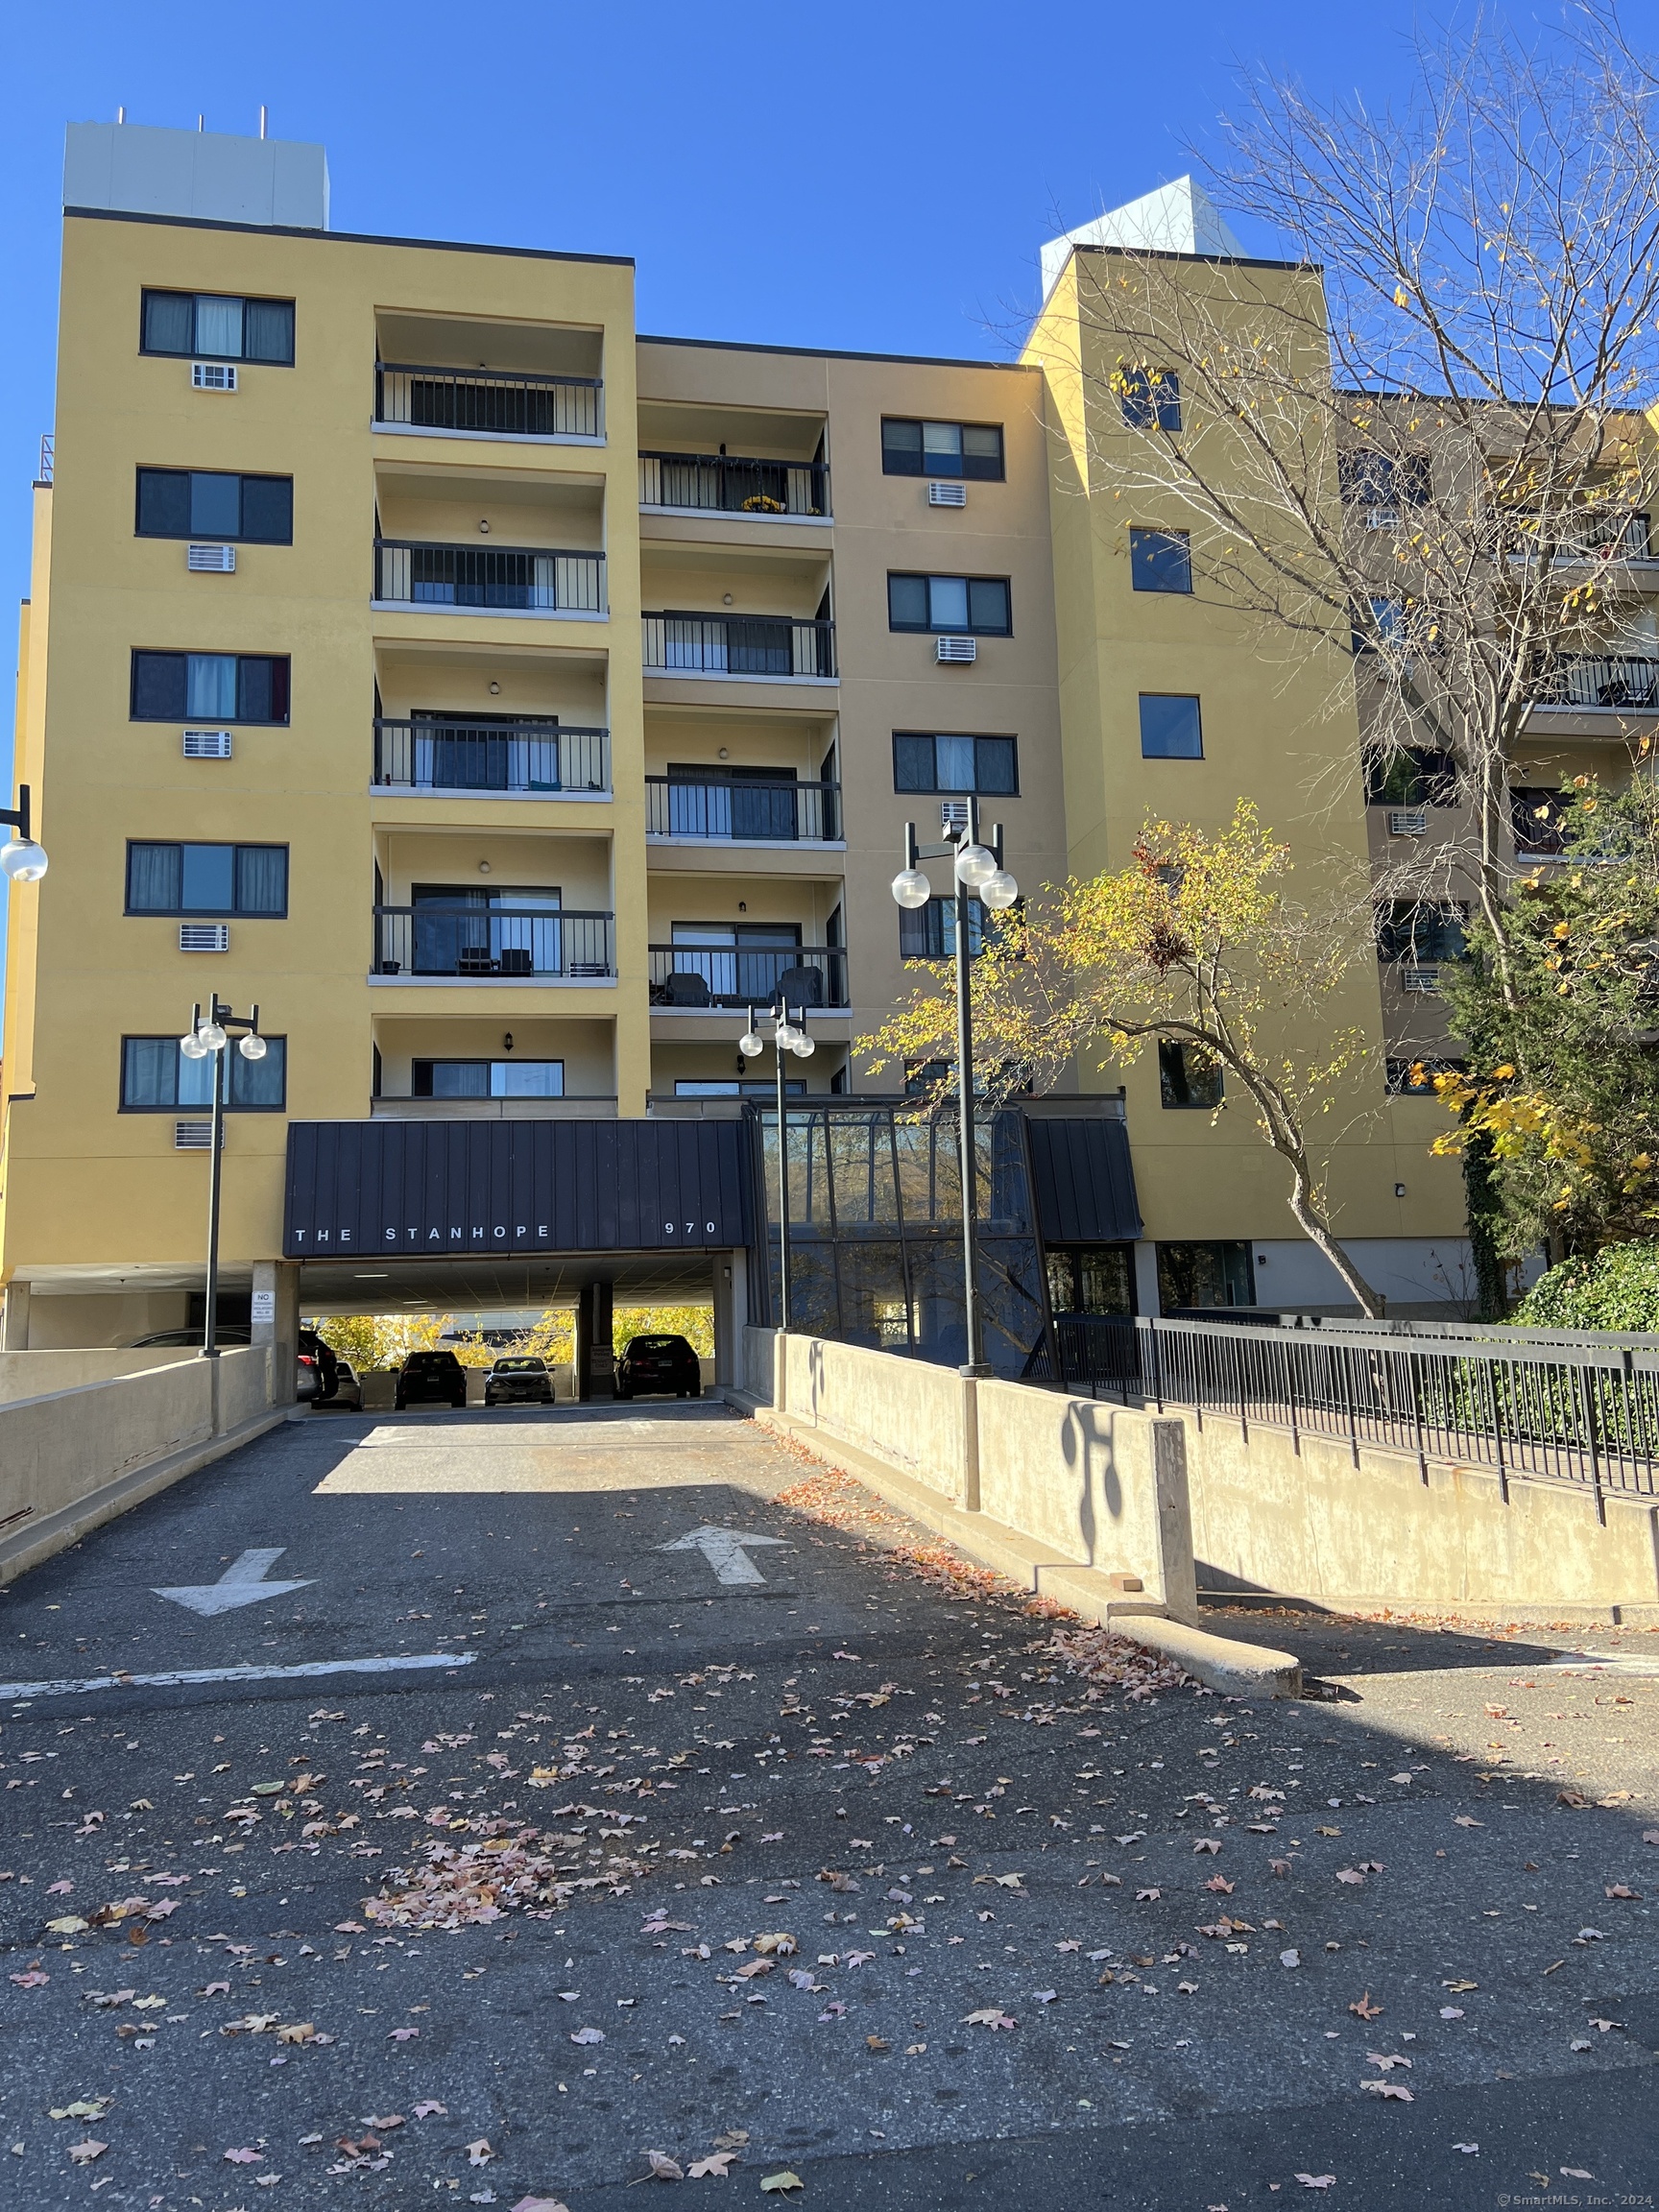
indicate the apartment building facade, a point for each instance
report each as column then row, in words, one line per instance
column 504, row 702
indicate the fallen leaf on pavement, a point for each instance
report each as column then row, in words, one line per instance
column 784, row 2180
column 301, row 2031
column 589, row 2035
column 1148, row 1896
column 1577, row 2174
column 82, row 2154
column 429, row 2109
column 83, row 2108
column 877, row 2043
column 990, row 2016
column 1617, row 1890
column 1206, row 1843
column 71, row 1924
column 540, row 2204
column 1388, row 2089
column 1349, row 1875
column 1316, row 2180
column 1363, row 2009
column 1459, row 1988
column 1451, row 2012
column 215, row 1990
column 1466, row 1820
column 1289, row 1957
column 716, row 2163
column 244, row 2157
column 1220, row 1884
column 479, row 2154
column 1386, row 2059
column 404, row 2035
column 1469, row 2150
column 33, row 1979
column 663, row 2168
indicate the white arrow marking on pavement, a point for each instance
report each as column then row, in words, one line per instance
column 725, row 1550
column 241, row 1584
column 187, row 1678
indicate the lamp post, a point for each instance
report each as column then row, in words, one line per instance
column 21, row 859
column 977, row 869
column 788, row 1036
column 201, row 1038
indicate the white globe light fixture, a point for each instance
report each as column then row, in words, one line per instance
column 253, row 1047
column 975, row 864
column 750, row 1045
column 192, row 1046
column 803, row 1046
column 998, row 889
column 213, row 1036
column 22, row 860
column 786, row 1037
column 911, row 888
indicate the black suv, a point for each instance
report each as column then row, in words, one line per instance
column 659, row 1363
column 431, row 1379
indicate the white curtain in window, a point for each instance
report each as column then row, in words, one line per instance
column 218, row 324
column 210, row 684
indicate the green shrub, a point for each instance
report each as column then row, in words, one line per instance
column 1618, row 1289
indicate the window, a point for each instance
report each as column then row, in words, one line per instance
column 930, row 932
column 206, row 503
column 1188, row 1076
column 157, row 1078
column 1151, row 398
column 942, row 449
column 1160, row 561
column 1091, row 1279
column 1415, row 1078
column 1170, row 728
column 210, row 688
column 1419, row 777
column 214, row 327
column 1383, row 483
column 1535, row 820
column 1421, row 933
column 1201, row 1277
column 973, row 606
column 488, row 1078
column 218, row 879
column 940, row 764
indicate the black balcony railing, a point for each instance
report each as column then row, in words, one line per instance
column 532, row 944
column 524, row 579
column 742, row 809
column 1592, row 679
column 721, row 483
column 774, row 645
column 1604, row 534
column 691, row 976
column 489, row 403
column 516, row 755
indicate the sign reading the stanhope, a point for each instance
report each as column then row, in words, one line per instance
column 441, row 1187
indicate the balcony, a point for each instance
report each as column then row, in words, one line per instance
column 743, row 810
column 721, row 483
column 488, row 579
column 778, row 647
column 1583, row 680
column 520, row 755
column 564, row 1108
column 495, row 945
column 685, row 977
column 488, row 404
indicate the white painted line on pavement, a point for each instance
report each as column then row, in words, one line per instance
column 242, row 1583
column 183, row 1677
column 724, row 1551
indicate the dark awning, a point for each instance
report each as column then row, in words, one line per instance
column 1085, row 1181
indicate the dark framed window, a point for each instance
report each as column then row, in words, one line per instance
column 487, row 1078
column 917, row 449
column 157, row 1078
column 219, row 881
column 1160, row 560
column 1415, row 1078
column 971, row 606
column 209, row 687
column 930, row 932
column 923, row 761
column 1151, row 398
column 1171, row 728
column 1421, row 933
column 1198, row 1278
column 218, row 326
column 1188, row 1076
column 212, row 503
column 1091, row 1279
column 1420, row 776
column 1383, row 482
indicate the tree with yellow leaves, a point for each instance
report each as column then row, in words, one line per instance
column 1196, row 943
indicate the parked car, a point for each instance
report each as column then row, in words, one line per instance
column 431, row 1378
column 347, row 1389
column 326, row 1361
column 519, row 1381
column 659, row 1363
column 314, row 1364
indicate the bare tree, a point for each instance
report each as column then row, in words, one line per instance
column 1434, row 460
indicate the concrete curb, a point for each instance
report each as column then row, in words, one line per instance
column 1239, row 1669
column 1468, row 1612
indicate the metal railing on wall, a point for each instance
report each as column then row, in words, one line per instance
column 522, row 579
column 776, row 645
column 1598, row 680
column 724, row 484
column 488, row 404
column 528, row 943
column 740, row 808
column 526, row 755
column 690, row 976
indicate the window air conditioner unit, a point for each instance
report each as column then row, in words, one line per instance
column 956, row 648
column 952, row 814
column 213, row 375
column 194, row 1136
column 206, row 744
column 204, row 936
column 1420, row 978
column 211, row 559
column 944, row 493
column 1407, row 822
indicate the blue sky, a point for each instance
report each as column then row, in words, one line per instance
column 861, row 174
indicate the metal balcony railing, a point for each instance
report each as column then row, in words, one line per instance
column 775, row 645
column 523, row 579
column 743, row 810
column 691, row 975
column 1589, row 680
column 489, row 403
column 518, row 755
column 528, row 943
column 1606, row 534
column 721, row 483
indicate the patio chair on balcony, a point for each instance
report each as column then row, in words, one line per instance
column 683, row 989
column 515, row 960
column 475, row 960
column 801, row 987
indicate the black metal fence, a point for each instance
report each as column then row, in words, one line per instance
column 1579, row 1414
column 489, row 404
column 1586, row 680
column 724, row 484
column 525, row 755
column 739, row 645
column 529, row 943
column 742, row 808
column 692, row 975
column 522, row 579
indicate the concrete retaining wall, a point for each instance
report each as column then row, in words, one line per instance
column 33, row 1374
column 73, row 1459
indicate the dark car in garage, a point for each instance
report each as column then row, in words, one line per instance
column 659, row 1363
column 431, row 1379
column 518, row 1379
